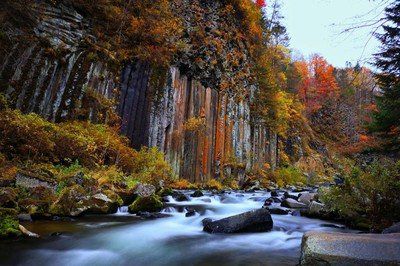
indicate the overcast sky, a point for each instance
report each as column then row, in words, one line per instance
column 310, row 24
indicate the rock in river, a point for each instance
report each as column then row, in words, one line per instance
column 278, row 211
column 179, row 196
column 146, row 204
column 307, row 197
column 320, row 248
column 292, row 203
column 253, row 221
column 197, row 194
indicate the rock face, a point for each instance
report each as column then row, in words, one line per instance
column 65, row 86
column 55, row 87
column 197, row 153
column 253, row 221
column 319, row 248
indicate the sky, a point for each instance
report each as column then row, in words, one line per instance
column 315, row 26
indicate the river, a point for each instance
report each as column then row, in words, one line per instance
column 124, row 239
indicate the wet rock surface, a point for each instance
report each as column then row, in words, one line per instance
column 292, row 203
column 253, row 221
column 320, row 248
column 146, row 204
column 197, row 194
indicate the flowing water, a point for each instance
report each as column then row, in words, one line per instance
column 124, row 239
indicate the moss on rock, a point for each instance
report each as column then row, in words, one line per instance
column 9, row 227
column 146, row 204
column 114, row 197
column 165, row 192
column 70, row 202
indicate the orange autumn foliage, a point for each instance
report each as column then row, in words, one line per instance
column 317, row 83
column 260, row 3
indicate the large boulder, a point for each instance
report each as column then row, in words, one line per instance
column 100, row 203
column 179, row 196
column 37, row 201
column 197, row 194
column 146, row 204
column 253, row 221
column 292, row 203
column 307, row 197
column 316, row 208
column 71, row 202
column 321, row 248
column 74, row 201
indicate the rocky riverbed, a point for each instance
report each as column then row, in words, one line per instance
column 176, row 239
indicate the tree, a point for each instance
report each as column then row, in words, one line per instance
column 387, row 119
column 275, row 30
column 316, row 82
column 260, row 3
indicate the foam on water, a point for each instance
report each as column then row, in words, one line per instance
column 180, row 240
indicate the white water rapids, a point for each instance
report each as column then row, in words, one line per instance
column 178, row 240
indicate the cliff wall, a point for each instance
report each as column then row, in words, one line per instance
column 205, row 132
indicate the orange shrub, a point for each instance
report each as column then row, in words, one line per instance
column 182, row 184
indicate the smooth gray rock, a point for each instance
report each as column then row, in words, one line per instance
column 321, row 248
column 292, row 203
column 24, row 217
column 253, row 221
column 307, row 198
column 316, row 208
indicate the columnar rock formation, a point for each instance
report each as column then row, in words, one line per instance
column 227, row 141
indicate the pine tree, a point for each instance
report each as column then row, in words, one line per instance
column 387, row 119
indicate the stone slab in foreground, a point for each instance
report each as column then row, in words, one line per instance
column 321, row 248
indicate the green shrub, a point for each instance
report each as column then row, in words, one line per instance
column 9, row 227
column 372, row 193
column 150, row 167
column 288, row 176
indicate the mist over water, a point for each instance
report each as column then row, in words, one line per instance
column 176, row 240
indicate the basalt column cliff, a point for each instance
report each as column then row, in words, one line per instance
column 205, row 131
